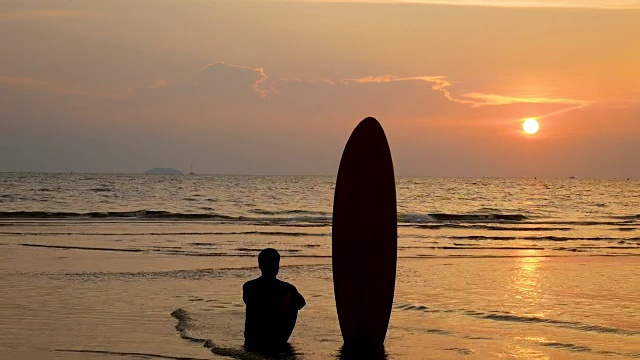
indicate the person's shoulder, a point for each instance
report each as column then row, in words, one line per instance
column 250, row 284
column 287, row 286
column 296, row 300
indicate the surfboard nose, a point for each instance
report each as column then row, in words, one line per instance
column 368, row 124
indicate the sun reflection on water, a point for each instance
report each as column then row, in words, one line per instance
column 526, row 283
column 523, row 349
column 523, row 352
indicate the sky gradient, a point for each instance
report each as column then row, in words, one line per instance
column 275, row 87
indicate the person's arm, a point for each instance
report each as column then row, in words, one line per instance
column 293, row 300
column 298, row 300
column 245, row 294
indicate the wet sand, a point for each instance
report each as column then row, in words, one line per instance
column 74, row 303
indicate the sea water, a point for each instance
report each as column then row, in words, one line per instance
column 128, row 266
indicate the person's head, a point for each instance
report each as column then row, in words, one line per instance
column 269, row 262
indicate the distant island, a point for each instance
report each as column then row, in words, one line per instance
column 163, row 171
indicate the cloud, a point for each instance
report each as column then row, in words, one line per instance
column 160, row 84
column 222, row 88
column 476, row 99
column 214, row 83
column 438, row 83
column 238, row 119
column 234, row 77
column 570, row 4
column 496, row 100
column 579, row 4
column 227, row 91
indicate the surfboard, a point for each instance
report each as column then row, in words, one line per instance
column 365, row 237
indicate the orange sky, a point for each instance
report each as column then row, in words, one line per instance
column 275, row 87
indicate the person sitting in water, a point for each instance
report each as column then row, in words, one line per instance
column 272, row 306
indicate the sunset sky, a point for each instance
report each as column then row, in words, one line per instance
column 275, row 87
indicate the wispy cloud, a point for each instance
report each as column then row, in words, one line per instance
column 570, row 4
column 497, row 99
column 579, row 4
column 160, row 84
column 240, row 81
column 474, row 99
column 258, row 73
column 438, row 83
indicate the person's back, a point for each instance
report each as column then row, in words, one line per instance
column 272, row 306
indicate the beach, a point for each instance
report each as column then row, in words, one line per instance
column 93, row 266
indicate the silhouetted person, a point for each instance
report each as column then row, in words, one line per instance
column 272, row 306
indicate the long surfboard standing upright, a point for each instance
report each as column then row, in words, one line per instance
column 365, row 237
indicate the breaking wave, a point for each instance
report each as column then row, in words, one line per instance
column 440, row 217
column 289, row 212
column 136, row 214
column 273, row 215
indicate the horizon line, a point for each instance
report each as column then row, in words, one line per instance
column 326, row 175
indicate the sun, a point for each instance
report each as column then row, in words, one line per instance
column 530, row 126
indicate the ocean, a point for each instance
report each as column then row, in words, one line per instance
column 150, row 266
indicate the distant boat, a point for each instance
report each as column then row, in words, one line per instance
column 572, row 177
column 191, row 171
